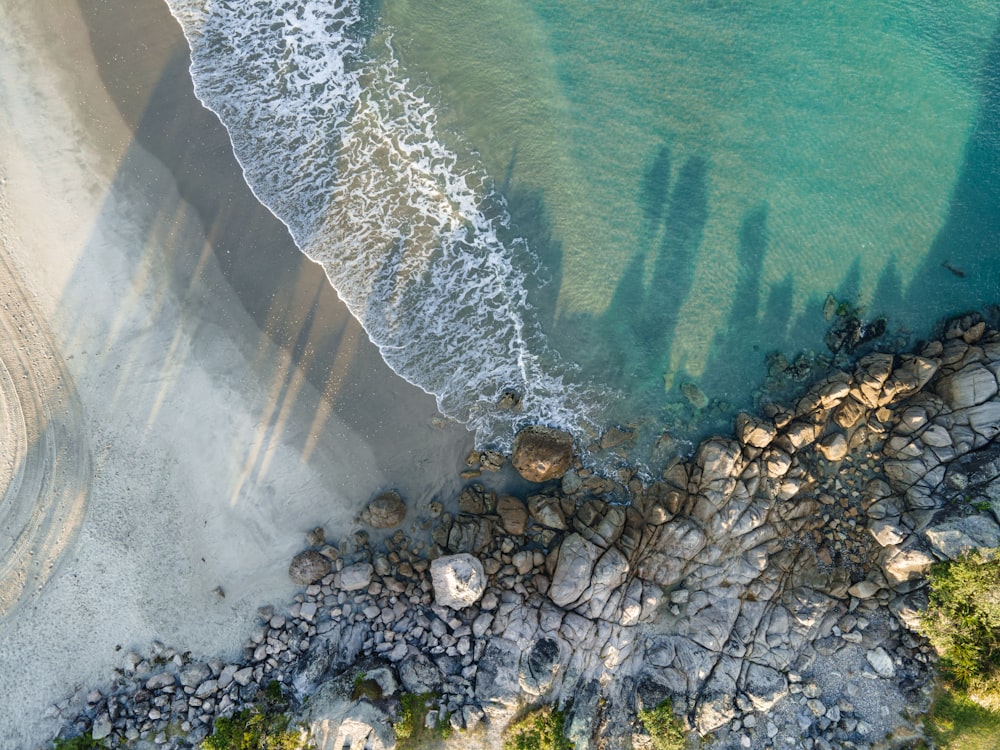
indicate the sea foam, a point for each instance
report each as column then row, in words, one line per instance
column 339, row 144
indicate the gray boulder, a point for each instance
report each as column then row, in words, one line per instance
column 971, row 385
column 459, row 580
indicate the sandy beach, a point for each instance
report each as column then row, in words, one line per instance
column 183, row 394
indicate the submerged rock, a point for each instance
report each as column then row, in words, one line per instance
column 542, row 453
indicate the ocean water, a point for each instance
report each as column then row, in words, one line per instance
column 599, row 205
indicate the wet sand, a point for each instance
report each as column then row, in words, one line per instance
column 204, row 395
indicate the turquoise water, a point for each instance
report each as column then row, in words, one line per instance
column 595, row 203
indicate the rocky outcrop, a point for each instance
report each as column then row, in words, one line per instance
column 542, row 453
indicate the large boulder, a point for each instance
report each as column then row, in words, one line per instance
column 574, row 569
column 308, row 567
column 385, row 511
column 459, row 580
column 971, row 385
column 542, row 453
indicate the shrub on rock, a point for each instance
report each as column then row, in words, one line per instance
column 962, row 622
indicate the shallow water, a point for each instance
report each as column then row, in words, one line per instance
column 594, row 204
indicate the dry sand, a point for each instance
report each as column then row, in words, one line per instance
column 157, row 446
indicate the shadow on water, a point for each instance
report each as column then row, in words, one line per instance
column 963, row 266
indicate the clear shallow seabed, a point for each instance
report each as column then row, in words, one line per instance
column 593, row 203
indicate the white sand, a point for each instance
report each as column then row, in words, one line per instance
column 192, row 456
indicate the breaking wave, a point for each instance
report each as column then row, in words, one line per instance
column 335, row 140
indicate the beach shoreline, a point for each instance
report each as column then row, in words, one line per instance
column 212, row 450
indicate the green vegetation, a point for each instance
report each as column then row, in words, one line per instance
column 665, row 730
column 962, row 622
column 543, row 729
column 80, row 742
column 411, row 727
column 956, row 723
column 264, row 726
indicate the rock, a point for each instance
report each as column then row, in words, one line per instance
column 547, row 511
column 356, row 577
column 573, row 571
column 694, row 395
column 513, row 515
column 885, row 532
column 849, row 413
column 102, row 727
column 542, row 453
column 510, row 400
column 194, row 674
column 717, row 459
column 904, row 565
column 959, row 536
column 418, row 675
column 206, row 689
column 539, row 667
column 243, row 676
column 800, row 433
column 337, row 723
column 308, row 567
column 316, row 537
column 753, row 431
column 160, row 681
column 971, row 385
column 459, row 580
column 385, row 511
column 881, row 662
column 497, row 678
column 613, row 437
column 764, row 686
column 600, row 523
column 864, row 589
column 833, row 447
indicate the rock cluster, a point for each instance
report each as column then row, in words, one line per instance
column 767, row 586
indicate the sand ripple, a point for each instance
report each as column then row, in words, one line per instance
column 45, row 467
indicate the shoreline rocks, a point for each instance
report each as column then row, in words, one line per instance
column 767, row 586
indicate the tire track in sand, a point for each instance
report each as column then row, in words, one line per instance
column 45, row 466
